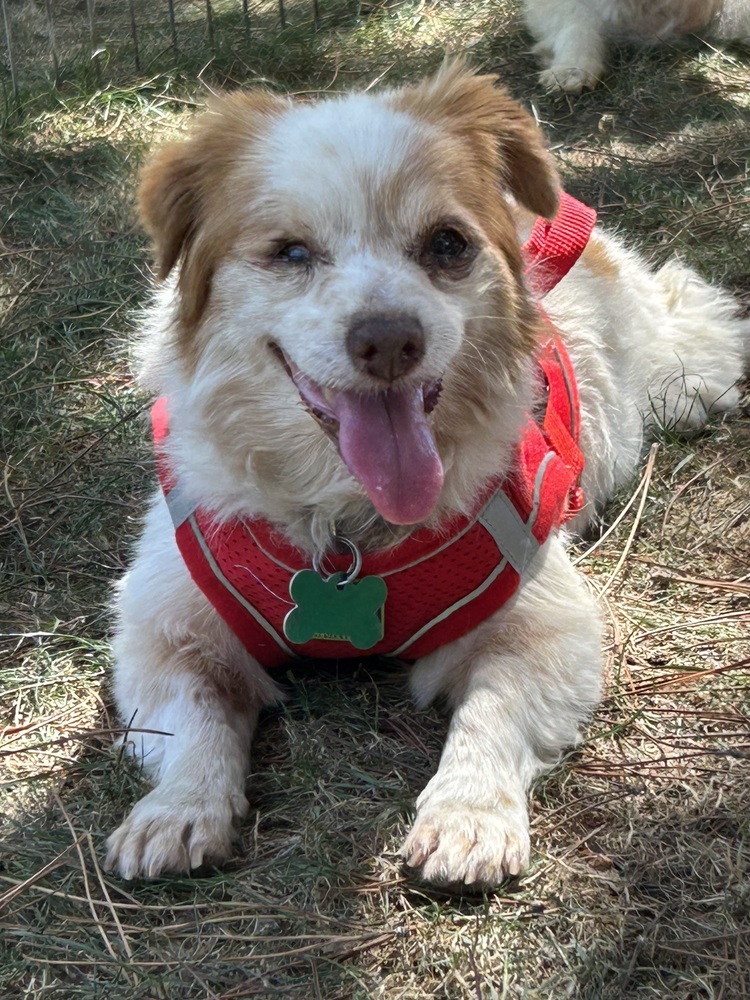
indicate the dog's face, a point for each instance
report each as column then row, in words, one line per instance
column 350, row 292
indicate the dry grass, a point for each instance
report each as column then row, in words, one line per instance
column 639, row 879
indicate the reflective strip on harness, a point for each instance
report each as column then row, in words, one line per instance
column 251, row 610
column 516, row 545
column 514, row 536
column 403, row 650
column 180, row 505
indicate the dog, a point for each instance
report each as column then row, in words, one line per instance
column 572, row 35
column 354, row 369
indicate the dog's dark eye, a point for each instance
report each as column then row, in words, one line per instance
column 446, row 244
column 295, row 253
column 446, row 251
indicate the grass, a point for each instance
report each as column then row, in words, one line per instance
column 638, row 886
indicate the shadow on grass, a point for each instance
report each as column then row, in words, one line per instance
column 70, row 432
column 330, row 785
column 316, row 894
column 651, row 93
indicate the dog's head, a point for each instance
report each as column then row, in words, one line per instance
column 350, row 283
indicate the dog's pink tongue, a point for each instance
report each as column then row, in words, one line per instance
column 388, row 447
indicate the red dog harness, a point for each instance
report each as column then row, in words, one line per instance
column 441, row 583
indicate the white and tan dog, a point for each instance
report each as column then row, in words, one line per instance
column 331, row 267
column 572, row 35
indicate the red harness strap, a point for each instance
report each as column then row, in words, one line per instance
column 441, row 583
column 554, row 246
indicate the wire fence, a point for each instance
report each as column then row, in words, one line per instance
column 44, row 40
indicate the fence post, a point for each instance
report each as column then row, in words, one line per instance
column 210, row 24
column 9, row 43
column 49, row 6
column 134, row 35
column 172, row 25
column 94, row 47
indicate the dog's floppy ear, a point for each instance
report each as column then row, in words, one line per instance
column 184, row 191
column 168, row 201
column 500, row 133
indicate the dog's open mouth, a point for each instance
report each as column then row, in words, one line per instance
column 384, row 438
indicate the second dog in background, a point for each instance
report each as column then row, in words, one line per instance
column 572, row 35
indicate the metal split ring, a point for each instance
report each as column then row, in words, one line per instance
column 350, row 574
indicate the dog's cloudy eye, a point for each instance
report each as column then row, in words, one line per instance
column 446, row 244
column 295, row 253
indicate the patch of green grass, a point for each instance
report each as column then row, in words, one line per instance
column 638, row 883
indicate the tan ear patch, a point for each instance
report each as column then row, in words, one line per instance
column 598, row 260
column 186, row 199
column 501, row 135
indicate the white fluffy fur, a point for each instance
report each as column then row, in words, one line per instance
column 572, row 35
column 661, row 346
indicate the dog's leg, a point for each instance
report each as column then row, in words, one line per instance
column 192, row 696
column 734, row 21
column 570, row 42
column 521, row 685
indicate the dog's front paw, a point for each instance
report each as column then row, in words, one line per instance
column 172, row 830
column 571, row 79
column 453, row 842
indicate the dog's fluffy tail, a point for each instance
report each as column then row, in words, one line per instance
column 712, row 351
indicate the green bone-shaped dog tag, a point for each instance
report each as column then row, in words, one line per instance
column 335, row 609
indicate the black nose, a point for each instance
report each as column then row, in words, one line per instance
column 386, row 345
